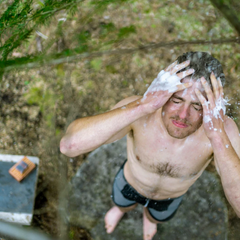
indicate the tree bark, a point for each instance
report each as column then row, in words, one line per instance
column 228, row 12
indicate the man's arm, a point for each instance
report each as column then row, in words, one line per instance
column 226, row 148
column 224, row 137
column 86, row 134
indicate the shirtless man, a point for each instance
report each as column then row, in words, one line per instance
column 173, row 131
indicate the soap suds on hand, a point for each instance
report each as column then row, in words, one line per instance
column 220, row 104
column 164, row 81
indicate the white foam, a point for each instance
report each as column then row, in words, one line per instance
column 164, row 82
column 207, row 119
column 227, row 146
column 220, row 105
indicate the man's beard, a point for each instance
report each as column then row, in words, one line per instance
column 181, row 133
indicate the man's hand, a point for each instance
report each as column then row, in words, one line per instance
column 166, row 83
column 214, row 108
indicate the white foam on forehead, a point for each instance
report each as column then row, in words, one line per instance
column 164, row 82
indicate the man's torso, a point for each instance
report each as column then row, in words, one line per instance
column 159, row 166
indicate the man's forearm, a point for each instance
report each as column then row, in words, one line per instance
column 86, row 134
column 228, row 164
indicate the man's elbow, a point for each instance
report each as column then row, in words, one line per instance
column 66, row 148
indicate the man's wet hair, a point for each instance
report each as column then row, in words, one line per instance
column 203, row 64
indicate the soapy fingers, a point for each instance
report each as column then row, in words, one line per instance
column 213, row 106
column 203, row 101
column 185, row 73
column 217, row 86
column 179, row 67
column 175, row 67
column 209, row 92
column 165, row 84
column 170, row 66
column 182, row 86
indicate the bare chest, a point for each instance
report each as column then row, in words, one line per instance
column 157, row 154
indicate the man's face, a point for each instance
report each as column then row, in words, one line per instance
column 182, row 114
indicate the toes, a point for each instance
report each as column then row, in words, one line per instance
column 147, row 237
column 107, row 226
column 109, row 229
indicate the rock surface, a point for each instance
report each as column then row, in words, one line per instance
column 202, row 215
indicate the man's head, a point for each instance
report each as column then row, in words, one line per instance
column 182, row 114
column 203, row 64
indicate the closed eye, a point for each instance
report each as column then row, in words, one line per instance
column 176, row 100
column 197, row 107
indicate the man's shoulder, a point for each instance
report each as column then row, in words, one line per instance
column 127, row 100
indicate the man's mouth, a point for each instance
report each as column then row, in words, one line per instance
column 179, row 124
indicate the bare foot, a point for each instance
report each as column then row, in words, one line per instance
column 149, row 228
column 112, row 218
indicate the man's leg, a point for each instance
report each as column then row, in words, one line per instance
column 149, row 225
column 114, row 215
column 151, row 216
column 122, row 204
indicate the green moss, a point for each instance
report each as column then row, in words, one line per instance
column 34, row 96
column 126, row 31
column 111, row 69
column 89, row 85
column 71, row 234
column 125, row 83
column 96, row 64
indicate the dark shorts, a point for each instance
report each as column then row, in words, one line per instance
column 124, row 195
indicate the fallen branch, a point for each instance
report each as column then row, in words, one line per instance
column 48, row 60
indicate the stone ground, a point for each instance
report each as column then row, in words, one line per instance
column 202, row 215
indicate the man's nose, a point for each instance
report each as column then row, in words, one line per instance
column 183, row 112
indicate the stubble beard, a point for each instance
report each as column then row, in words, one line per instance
column 181, row 133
